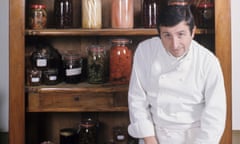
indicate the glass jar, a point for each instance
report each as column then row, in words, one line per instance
column 63, row 13
column 68, row 136
column 34, row 77
column 88, row 132
column 51, row 76
column 150, row 13
column 91, row 13
column 122, row 14
column 41, row 58
column 204, row 14
column 96, row 64
column 120, row 135
column 120, row 61
column 72, row 65
column 38, row 16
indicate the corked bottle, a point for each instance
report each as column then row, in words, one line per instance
column 120, row 61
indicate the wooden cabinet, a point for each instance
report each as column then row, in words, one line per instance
column 46, row 108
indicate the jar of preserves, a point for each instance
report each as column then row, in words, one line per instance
column 120, row 61
column 51, row 76
column 63, row 11
column 150, row 12
column 68, row 136
column 122, row 14
column 96, row 64
column 91, row 14
column 72, row 65
column 38, row 16
column 88, row 131
column 204, row 14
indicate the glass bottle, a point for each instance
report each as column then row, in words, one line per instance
column 96, row 64
column 91, row 13
column 38, row 16
column 63, row 13
column 122, row 14
column 88, row 131
column 150, row 13
column 120, row 61
column 72, row 65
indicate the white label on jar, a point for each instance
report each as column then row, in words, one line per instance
column 74, row 71
column 52, row 78
column 35, row 79
column 41, row 62
column 120, row 137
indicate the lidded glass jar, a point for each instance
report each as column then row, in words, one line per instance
column 51, row 76
column 88, row 131
column 96, row 66
column 150, row 13
column 33, row 76
column 68, row 136
column 38, row 16
column 120, row 61
column 72, row 66
column 122, row 14
column 63, row 11
column 91, row 13
column 41, row 58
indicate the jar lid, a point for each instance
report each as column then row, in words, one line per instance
column 40, row 6
column 96, row 48
column 205, row 5
column 67, row 132
column 178, row 2
column 121, row 41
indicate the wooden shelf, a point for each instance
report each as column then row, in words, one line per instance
column 82, row 97
column 101, row 32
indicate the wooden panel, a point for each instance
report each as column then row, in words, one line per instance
column 223, row 52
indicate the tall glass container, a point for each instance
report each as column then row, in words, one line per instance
column 122, row 14
column 96, row 64
column 63, row 13
column 150, row 13
column 120, row 61
column 91, row 13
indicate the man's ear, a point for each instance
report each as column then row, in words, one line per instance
column 193, row 31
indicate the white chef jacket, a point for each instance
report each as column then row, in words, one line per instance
column 176, row 93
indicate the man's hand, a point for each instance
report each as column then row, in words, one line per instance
column 150, row 140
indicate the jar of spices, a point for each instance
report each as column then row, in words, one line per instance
column 122, row 14
column 63, row 11
column 96, row 64
column 91, row 14
column 51, row 76
column 41, row 58
column 68, row 136
column 88, row 131
column 150, row 13
column 72, row 65
column 204, row 14
column 34, row 76
column 38, row 16
column 120, row 61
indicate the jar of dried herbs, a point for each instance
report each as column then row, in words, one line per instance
column 96, row 64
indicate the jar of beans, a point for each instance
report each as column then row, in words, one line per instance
column 38, row 16
column 120, row 61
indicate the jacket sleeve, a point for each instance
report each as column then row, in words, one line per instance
column 214, row 115
column 140, row 118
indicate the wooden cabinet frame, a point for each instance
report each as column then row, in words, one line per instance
column 17, row 108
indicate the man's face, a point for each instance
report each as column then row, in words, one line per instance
column 176, row 39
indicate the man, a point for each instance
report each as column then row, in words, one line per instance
column 176, row 91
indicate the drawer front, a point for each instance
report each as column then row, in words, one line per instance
column 68, row 101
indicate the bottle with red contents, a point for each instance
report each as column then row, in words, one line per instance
column 120, row 61
column 150, row 13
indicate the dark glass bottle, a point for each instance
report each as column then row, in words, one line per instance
column 63, row 13
column 150, row 13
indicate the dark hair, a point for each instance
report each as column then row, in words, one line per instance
column 172, row 15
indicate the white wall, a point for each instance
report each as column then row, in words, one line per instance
column 235, row 24
column 4, row 62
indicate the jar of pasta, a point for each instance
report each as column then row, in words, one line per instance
column 122, row 14
column 91, row 13
column 120, row 61
column 38, row 16
column 96, row 64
